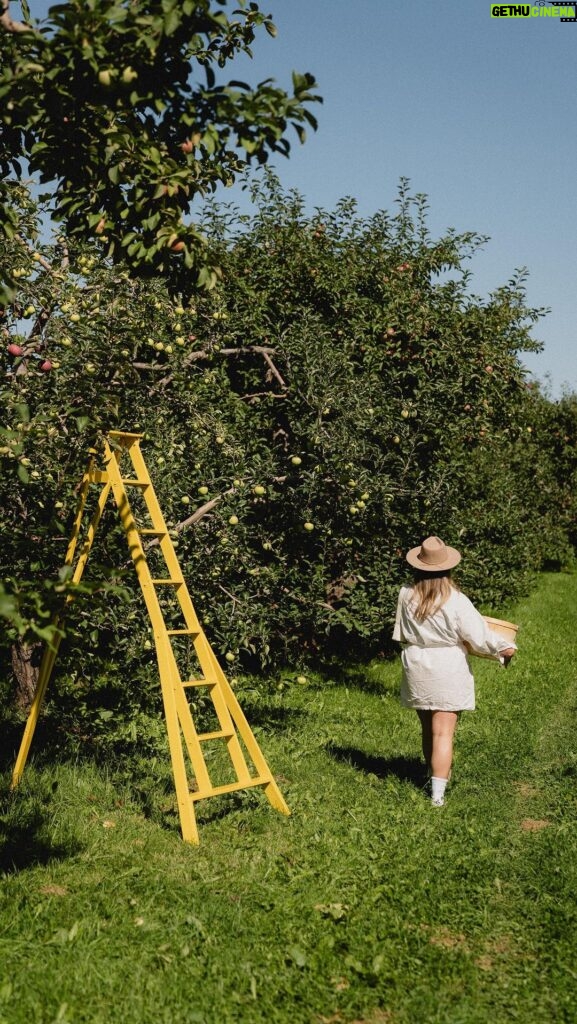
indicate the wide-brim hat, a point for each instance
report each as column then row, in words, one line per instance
column 433, row 555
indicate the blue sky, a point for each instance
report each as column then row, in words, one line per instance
column 477, row 112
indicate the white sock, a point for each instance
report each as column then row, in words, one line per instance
column 438, row 787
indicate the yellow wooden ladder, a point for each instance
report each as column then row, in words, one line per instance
column 124, row 472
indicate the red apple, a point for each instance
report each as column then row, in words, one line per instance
column 46, row 366
column 15, row 350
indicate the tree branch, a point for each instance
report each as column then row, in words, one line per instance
column 273, row 368
column 8, row 23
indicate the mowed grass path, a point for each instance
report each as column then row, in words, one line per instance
column 366, row 905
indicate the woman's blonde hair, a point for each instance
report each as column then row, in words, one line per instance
column 430, row 592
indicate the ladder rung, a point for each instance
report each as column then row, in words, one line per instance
column 199, row 682
column 133, row 482
column 167, row 582
column 232, row 787
column 218, row 735
column 182, row 632
column 146, row 532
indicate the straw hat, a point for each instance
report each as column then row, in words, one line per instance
column 433, row 556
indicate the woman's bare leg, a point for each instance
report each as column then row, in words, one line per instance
column 443, row 724
column 426, row 720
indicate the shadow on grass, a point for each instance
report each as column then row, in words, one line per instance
column 406, row 769
column 27, row 843
column 274, row 719
column 374, row 677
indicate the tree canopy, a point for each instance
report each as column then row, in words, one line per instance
column 119, row 107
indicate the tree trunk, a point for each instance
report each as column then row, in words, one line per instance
column 25, row 665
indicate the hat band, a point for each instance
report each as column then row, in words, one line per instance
column 432, row 558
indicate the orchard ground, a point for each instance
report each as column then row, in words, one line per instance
column 366, row 905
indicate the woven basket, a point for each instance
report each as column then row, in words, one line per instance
column 508, row 630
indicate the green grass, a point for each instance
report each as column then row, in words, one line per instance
column 365, row 905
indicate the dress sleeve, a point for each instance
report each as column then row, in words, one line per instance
column 397, row 635
column 474, row 631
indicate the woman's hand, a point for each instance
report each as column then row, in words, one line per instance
column 507, row 654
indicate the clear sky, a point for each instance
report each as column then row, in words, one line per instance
column 478, row 112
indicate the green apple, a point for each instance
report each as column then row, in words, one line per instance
column 233, row 520
column 128, row 75
column 75, row 318
column 185, row 499
column 259, row 489
column 230, row 657
column 296, row 460
column 203, row 490
column 309, row 526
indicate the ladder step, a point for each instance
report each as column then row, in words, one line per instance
column 174, row 583
column 146, row 532
column 232, row 787
column 199, row 682
column 220, row 734
column 133, row 482
column 124, row 433
column 183, row 632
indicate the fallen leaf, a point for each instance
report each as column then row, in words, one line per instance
column 448, row 939
column 534, row 824
column 484, row 963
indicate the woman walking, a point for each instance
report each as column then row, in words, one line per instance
column 437, row 625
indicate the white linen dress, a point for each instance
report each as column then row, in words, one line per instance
column 436, row 671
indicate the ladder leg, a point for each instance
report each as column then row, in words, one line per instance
column 272, row 791
column 185, row 804
column 45, row 671
column 50, row 652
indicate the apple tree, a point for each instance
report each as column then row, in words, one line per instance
column 120, row 107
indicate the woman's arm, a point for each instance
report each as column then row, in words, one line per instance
column 475, row 633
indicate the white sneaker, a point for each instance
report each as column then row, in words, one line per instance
column 438, row 801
